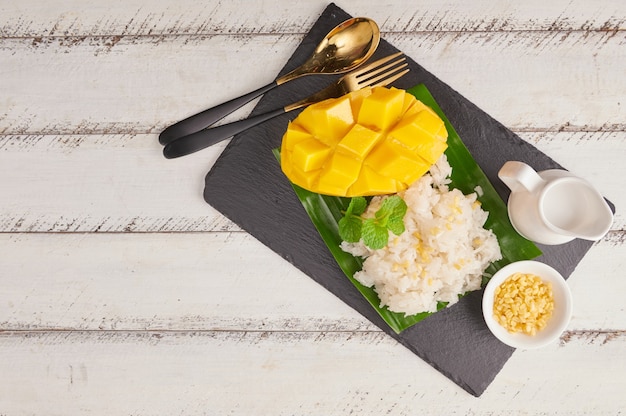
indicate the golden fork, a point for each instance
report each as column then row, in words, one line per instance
column 376, row 74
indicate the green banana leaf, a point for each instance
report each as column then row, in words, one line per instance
column 326, row 211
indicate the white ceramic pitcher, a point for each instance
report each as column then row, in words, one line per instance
column 554, row 206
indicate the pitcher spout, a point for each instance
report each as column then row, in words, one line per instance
column 602, row 224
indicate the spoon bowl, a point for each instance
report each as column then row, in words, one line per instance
column 344, row 48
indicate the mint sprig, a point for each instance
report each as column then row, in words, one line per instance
column 373, row 231
column 351, row 223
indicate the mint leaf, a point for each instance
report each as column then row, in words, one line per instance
column 382, row 215
column 350, row 224
column 374, row 235
column 357, row 206
column 395, row 225
column 395, row 205
column 395, row 222
column 350, row 228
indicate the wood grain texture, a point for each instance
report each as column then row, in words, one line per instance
column 65, row 18
column 285, row 373
column 122, row 292
column 553, row 80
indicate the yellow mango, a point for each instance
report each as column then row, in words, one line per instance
column 338, row 174
column 406, row 132
column 420, row 133
column 356, row 99
column 310, row 154
column 382, row 108
column 286, row 164
column 409, row 101
column 307, row 180
column 431, row 124
column 430, row 149
column 418, row 172
column 372, row 183
column 395, row 161
column 415, row 107
column 295, row 133
column 359, row 141
column 370, row 142
column 328, row 120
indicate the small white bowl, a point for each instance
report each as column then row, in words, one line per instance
column 560, row 316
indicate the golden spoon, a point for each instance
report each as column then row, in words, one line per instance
column 344, row 48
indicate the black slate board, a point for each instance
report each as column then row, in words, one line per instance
column 247, row 186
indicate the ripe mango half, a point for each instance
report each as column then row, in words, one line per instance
column 369, row 142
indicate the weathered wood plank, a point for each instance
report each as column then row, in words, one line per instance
column 140, row 17
column 285, row 373
column 526, row 80
column 53, row 185
column 188, row 281
column 158, row 281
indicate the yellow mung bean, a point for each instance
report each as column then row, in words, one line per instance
column 523, row 303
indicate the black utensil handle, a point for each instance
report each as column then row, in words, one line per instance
column 208, row 137
column 206, row 118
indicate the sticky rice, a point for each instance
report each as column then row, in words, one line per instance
column 441, row 255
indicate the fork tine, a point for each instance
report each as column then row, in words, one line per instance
column 375, row 64
column 373, row 72
column 386, row 77
column 389, row 80
column 377, row 74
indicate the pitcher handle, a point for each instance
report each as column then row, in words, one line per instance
column 518, row 176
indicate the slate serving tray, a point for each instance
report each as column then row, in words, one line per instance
column 246, row 185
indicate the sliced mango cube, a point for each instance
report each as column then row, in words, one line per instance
column 356, row 99
column 328, row 120
column 418, row 172
column 371, row 182
column 310, row 154
column 382, row 109
column 431, row 124
column 307, row 180
column 295, row 133
column 407, row 132
column 411, row 132
column 370, row 142
column 286, row 164
column 359, row 141
column 415, row 107
column 395, row 161
column 339, row 174
column 442, row 133
column 409, row 101
column 430, row 149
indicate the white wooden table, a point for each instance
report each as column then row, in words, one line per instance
column 123, row 292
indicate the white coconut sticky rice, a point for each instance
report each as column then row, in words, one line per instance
column 442, row 254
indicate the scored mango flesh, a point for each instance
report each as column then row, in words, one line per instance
column 368, row 142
